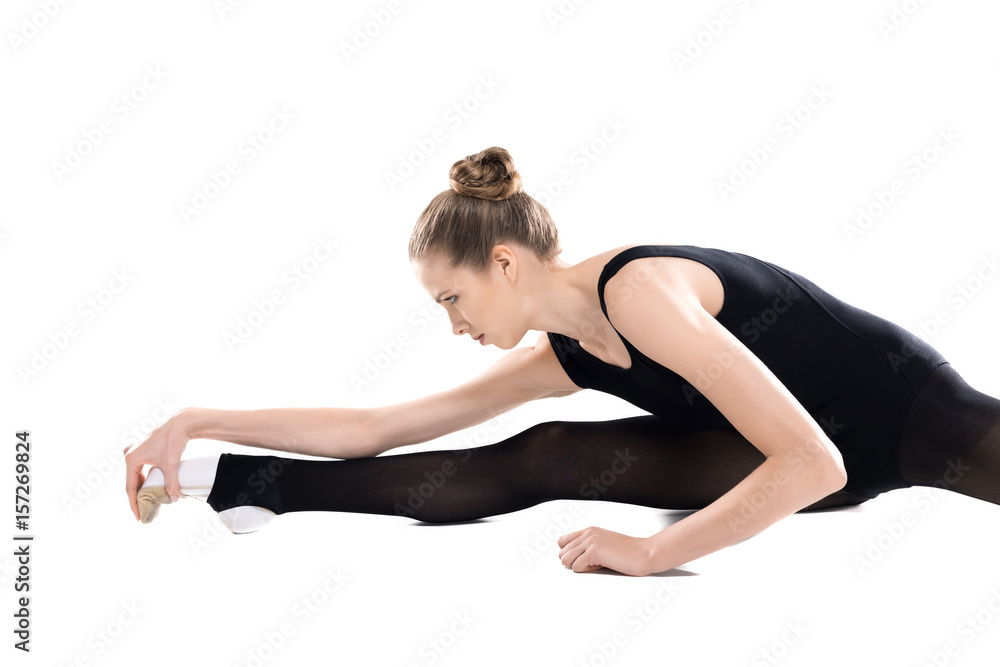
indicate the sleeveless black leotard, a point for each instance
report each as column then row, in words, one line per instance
column 855, row 373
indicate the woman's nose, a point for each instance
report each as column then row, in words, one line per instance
column 458, row 325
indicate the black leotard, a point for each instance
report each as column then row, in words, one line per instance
column 854, row 372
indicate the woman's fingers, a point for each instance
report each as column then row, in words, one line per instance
column 595, row 548
column 572, row 548
column 170, row 481
column 162, row 449
column 576, row 557
column 133, row 480
column 569, row 555
column 569, row 537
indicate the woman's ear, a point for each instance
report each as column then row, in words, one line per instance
column 504, row 256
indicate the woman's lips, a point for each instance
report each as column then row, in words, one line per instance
column 481, row 338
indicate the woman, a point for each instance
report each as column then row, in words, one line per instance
column 766, row 396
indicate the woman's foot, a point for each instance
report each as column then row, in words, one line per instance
column 197, row 475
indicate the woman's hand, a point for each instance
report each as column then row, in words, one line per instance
column 162, row 449
column 593, row 548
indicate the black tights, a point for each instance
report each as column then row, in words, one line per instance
column 951, row 439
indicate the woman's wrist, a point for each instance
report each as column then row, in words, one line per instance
column 648, row 555
column 189, row 421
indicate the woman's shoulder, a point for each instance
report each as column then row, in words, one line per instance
column 605, row 256
column 669, row 272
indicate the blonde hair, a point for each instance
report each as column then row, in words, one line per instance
column 485, row 206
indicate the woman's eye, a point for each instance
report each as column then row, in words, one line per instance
column 452, row 299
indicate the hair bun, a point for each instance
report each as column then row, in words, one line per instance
column 489, row 174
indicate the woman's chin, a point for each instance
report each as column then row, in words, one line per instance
column 500, row 344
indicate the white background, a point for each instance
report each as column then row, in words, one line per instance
column 202, row 596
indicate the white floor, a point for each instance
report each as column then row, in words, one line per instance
column 909, row 575
column 174, row 176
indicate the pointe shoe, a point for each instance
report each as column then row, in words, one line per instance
column 150, row 498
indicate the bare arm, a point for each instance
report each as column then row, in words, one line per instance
column 333, row 432
column 356, row 432
column 522, row 375
column 669, row 324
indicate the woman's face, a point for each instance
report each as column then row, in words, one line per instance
column 476, row 303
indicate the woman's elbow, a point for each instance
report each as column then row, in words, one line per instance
column 817, row 475
column 831, row 473
column 826, row 464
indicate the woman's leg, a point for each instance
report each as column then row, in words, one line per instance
column 951, row 438
column 638, row 460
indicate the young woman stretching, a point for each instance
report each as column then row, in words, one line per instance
column 766, row 396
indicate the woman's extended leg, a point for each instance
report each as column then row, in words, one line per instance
column 951, row 438
column 638, row 460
